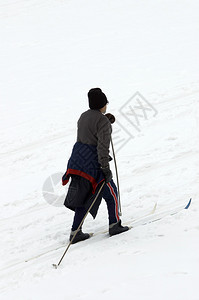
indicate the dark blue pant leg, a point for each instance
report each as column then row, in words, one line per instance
column 111, row 197
column 78, row 217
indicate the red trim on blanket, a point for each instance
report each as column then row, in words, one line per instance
column 82, row 174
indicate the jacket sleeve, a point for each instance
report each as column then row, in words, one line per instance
column 104, row 131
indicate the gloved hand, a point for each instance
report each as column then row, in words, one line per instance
column 110, row 117
column 107, row 174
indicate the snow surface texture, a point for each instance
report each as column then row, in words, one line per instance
column 52, row 52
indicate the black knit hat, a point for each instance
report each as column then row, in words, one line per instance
column 96, row 98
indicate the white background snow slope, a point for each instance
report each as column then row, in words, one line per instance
column 51, row 53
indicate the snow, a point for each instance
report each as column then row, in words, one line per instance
column 52, row 52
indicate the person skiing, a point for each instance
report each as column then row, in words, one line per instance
column 88, row 167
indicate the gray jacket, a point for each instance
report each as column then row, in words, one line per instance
column 95, row 129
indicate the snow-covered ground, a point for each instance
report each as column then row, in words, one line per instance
column 51, row 53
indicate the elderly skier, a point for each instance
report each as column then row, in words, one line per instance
column 88, row 167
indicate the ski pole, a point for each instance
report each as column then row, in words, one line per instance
column 56, row 266
column 118, row 187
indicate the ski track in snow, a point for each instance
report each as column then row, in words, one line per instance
column 159, row 166
column 53, row 235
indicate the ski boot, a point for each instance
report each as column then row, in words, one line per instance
column 80, row 236
column 117, row 228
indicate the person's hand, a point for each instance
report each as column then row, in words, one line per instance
column 107, row 174
column 110, row 117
